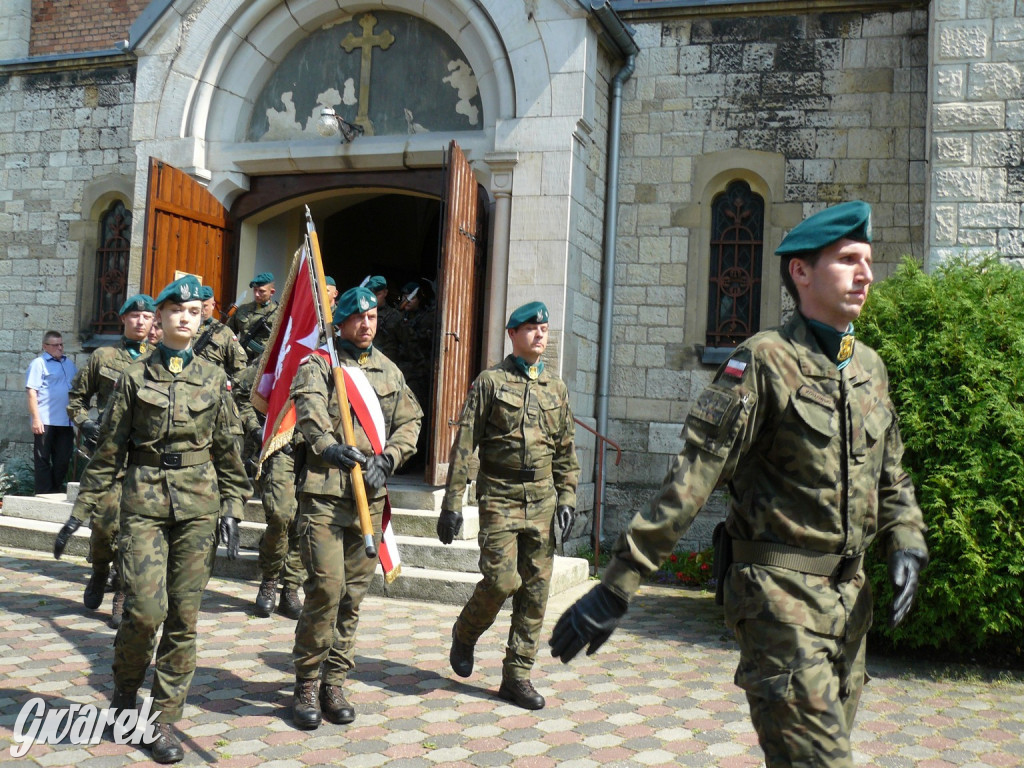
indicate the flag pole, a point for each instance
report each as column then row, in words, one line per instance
column 348, row 432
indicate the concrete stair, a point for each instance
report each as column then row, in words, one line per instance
column 430, row 571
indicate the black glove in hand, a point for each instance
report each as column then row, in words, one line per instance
column 448, row 525
column 591, row 620
column 90, row 431
column 345, row 456
column 566, row 516
column 377, row 470
column 64, row 535
column 227, row 534
column 904, row 572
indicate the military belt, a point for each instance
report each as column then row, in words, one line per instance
column 516, row 474
column 169, row 460
column 839, row 567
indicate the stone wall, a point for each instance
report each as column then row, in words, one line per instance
column 977, row 116
column 64, row 133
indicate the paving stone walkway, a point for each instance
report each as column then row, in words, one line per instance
column 659, row 693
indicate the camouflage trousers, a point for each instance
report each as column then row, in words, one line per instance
column 803, row 690
column 165, row 565
column 103, row 527
column 517, row 554
column 338, row 575
column 279, row 545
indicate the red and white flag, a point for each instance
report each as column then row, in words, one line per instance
column 294, row 336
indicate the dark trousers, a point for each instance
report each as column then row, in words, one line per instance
column 52, row 454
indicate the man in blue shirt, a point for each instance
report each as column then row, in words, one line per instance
column 47, row 384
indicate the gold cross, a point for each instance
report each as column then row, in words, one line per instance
column 366, row 42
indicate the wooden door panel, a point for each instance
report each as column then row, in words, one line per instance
column 458, row 307
column 187, row 230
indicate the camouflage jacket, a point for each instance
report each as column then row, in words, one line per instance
column 319, row 420
column 249, row 327
column 516, row 424
column 241, row 389
column 812, row 457
column 98, row 377
column 415, row 342
column 388, row 321
column 223, row 348
column 153, row 412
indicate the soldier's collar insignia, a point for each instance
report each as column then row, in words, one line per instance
column 175, row 365
column 836, row 345
column 532, row 371
column 363, row 358
column 845, row 351
column 135, row 349
column 175, row 359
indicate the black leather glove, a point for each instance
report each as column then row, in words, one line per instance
column 227, row 534
column 64, row 535
column 377, row 470
column 287, row 449
column 448, row 525
column 345, row 456
column 256, row 436
column 904, row 572
column 591, row 619
column 566, row 516
column 90, row 431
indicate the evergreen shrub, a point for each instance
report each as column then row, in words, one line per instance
column 953, row 342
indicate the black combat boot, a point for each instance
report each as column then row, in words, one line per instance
column 117, row 610
column 460, row 656
column 123, row 700
column 166, row 748
column 266, row 598
column 93, row 596
column 521, row 693
column 290, row 606
column 306, row 707
column 335, row 706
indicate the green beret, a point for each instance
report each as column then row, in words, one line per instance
column 410, row 289
column 534, row 312
column 183, row 289
column 262, row 279
column 140, row 302
column 851, row 220
column 206, row 292
column 375, row 283
column 330, row 281
column 353, row 301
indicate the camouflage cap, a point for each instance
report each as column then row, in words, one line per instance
column 850, row 220
column 206, row 293
column 262, row 279
column 353, row 301
column 534, row 312
column 140, row 302
column 183, row 289
column 330, row 281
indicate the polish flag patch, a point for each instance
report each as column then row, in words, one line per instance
column 735, row 368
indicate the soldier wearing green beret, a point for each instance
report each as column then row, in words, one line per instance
column 517, row 414
column 799, row 424
column 215, row 341
column 172, row 426
column 253, row 322
column 338, row 572
column 388, row 317
column 332, row 291
column 97, row 380
column 279, row 559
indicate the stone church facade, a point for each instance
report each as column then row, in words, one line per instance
column 727, row 124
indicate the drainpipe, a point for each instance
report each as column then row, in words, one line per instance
column 622, row 38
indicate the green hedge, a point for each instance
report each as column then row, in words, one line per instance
column 953, row 342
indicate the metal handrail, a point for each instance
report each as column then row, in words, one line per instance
column 599, row 486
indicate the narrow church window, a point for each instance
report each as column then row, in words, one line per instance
column 112, row 268
column 734, row 283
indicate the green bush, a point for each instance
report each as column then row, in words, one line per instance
column 953, row 342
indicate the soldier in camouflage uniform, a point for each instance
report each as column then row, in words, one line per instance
column 388, row 318
column 800, row 425
column 172, row 424
column 98, row 378
column 279, row 545
column 416, row 338
column 216, row 342
column 518, row 415
column 253, row 322
column 330, row 540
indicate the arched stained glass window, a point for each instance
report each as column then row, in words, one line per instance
column 112, row 268
column 734, row 282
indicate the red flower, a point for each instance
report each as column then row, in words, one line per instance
column 672, row 558
column 705, row 567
